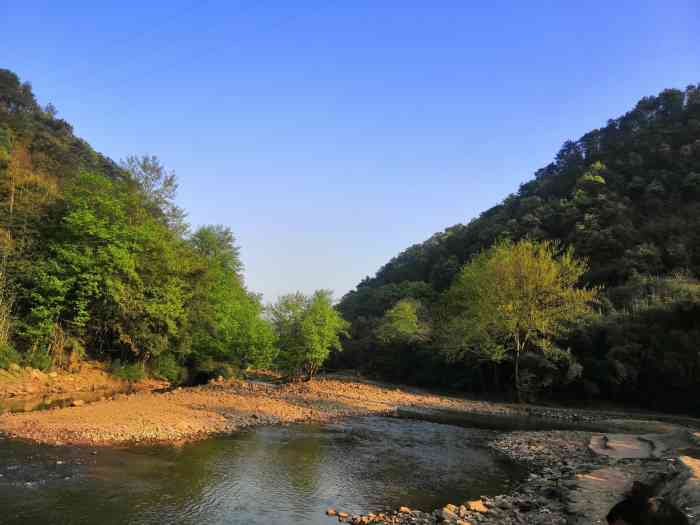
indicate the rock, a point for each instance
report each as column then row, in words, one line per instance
column 331, row 512
column 77, row 403
column 38, row 375
column 53, row 375
column 448, row 515
column 342, row 516
column 404, row 510
column 477, row 506
column 14, row 367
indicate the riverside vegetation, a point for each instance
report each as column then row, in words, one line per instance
column 97, row 261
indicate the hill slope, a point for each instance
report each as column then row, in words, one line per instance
column 96, row 259
column 625, row 196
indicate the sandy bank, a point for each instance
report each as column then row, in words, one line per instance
column 192, row 413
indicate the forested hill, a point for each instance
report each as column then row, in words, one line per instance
column 96, row 260
column 627, row 198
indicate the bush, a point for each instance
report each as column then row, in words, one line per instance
column 208, row 369
column 38, row 358
column 128, row 371
column 167, row 368
column 8, row 355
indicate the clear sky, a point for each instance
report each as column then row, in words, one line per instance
column 331, row 135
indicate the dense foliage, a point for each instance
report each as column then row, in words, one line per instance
column 626, row 197
column 308, row 329
column 97, row 260
column 511, row 299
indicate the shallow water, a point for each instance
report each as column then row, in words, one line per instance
column 270, row 475
column 60, row 400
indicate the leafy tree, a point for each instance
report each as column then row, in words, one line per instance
column 307, row 329
column 110, row 275
column 518, row 297
column 159, row 187
column 403, row 323
column 226, row 325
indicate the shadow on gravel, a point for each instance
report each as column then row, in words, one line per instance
column 642, row 507
column 509, row 423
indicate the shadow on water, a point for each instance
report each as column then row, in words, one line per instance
column 270, row 475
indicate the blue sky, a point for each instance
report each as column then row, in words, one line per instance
column 331, row 135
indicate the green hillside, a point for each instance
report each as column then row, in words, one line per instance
column 626, row 197
column 98, row 261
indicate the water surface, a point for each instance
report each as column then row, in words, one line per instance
column 268, row 475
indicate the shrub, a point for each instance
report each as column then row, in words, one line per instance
column 128, row 371
column 38, row 358
column 8, row 355
column 167, row 368
column 208, row 369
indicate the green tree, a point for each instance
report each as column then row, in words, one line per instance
column 518, row 297
column 226, row 323
column 307, row 329
column 404, row 323
column 159, row 187
column 111, row 275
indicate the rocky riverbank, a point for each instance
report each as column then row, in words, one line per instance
column 572, row 481
column 224, row 407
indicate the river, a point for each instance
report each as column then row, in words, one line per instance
column 266, row 475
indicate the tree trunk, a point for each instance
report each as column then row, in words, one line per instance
column 12, row 198
column 518, row 393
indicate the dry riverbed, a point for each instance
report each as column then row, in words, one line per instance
column 223, row 407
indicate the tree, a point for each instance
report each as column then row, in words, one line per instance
column 111, row 275
column 403, row 323
column 307, row 329
column 518, row 298
column 159, row 187
column 226, row 324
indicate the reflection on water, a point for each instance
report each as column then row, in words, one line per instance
column 272, row 475
column 46, row 401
